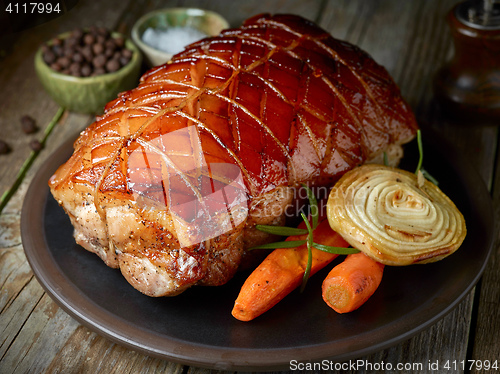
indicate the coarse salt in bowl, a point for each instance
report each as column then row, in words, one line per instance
column 173, row 39
column 165, row 32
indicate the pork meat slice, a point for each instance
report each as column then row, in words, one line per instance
column 169, row 183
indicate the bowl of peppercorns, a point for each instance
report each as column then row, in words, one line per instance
column 84, row 69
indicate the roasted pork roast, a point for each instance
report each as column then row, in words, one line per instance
column 169, row 183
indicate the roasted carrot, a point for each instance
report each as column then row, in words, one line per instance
column 352, row 282
column 282, row 271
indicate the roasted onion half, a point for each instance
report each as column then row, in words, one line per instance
column 395, row 217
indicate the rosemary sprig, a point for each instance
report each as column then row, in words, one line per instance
column 283, row 244
column 281, row 230
column 335, row 250
column 289, row 231
column 313, row 206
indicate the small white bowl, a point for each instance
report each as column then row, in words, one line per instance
column 208, row 22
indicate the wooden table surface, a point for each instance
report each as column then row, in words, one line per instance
column 410, row 38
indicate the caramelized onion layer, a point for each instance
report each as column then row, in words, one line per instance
column 386, row 213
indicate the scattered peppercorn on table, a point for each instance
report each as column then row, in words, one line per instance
column 410, row 39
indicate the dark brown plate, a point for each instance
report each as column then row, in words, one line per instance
column 196, row 328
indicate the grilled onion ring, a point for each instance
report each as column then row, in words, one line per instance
column 383, row 212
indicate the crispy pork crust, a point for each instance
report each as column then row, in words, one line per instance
column 259, row 109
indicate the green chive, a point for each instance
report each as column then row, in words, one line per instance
column 309, row 253
column 420, row 151
column 386, row 159
column 421, row 160
column 284, row 244
column 336, row 250
column 429, row 177
column 281, row 230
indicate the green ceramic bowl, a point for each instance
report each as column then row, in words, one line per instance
column 206, row 21
column 88, row 95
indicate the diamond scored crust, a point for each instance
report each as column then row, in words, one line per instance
column 170, row 182
column 255, row 97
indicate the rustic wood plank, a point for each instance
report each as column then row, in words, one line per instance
column 13, row 320
column 91, row 353
column 486, row 342
column 43, row 334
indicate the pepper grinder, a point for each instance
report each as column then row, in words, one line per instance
column 468, row 86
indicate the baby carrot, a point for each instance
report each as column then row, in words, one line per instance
column 352, row 282
column 282, row 271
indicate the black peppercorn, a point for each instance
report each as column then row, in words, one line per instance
column 58, row 50
column 86, row 70
column 127, row 53
column 110, row 44
column 112, row 65
column 64, row 62
column 98, row 71
column 77, row 34
column 89, row 39
column 28, row 124
column 99, row 61
column 98, row 48
column 109, row 53
column 77, row 57
column 120, row 42
column 124, row 60
column 36, row 145
column 68, row 52
column 87, row 53
column 104, row 32
column 100, row 39
column 49, row 57
column 4, row 147
column 70, row 42
column 74, row 69
column 56, row 66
